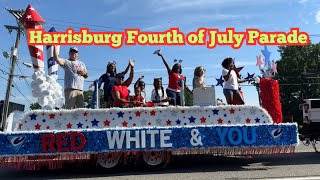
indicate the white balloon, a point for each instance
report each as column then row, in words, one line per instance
column 45, row 93
column 47, row 107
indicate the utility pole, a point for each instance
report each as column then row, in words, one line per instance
column 14, row 53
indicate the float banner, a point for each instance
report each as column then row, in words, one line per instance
column 125, row 139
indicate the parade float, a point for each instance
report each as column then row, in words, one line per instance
column 53, row 136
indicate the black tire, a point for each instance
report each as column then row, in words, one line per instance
column 155, row 160
column 111, row 161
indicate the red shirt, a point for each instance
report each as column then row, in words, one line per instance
column 174, row 79
column 124, row 94
column 140, row 99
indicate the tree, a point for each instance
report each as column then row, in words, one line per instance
column 34, row 106
column 88, row 98
column 294, row 68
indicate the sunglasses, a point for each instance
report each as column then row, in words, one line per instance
column 73, row 51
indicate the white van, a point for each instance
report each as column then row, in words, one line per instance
column 311, row 110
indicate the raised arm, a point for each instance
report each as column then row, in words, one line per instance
column 116, row 96
column 127, row 69
column 60, row 61
column 137, row 82
column 129, row 80
column 165, row 62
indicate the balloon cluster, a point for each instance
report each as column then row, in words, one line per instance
column 47, row 90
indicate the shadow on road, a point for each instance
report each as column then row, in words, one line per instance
column 179, row 164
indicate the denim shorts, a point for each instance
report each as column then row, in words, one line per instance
column 230, row 91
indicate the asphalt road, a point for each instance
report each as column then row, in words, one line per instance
column 304, row 164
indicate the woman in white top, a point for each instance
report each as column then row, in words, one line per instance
column 158, row 95
column 231, row 81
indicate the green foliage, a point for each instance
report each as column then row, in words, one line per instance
column 88, row 98
column 294, row 68
column 35, row 106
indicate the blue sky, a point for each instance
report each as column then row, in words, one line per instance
column 155, row 15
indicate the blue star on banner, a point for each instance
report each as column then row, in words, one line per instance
column 94, row 122
column 33, row 117
column 130, row 118
column 178, row 121
column 192, row 119
column 79, row 125
column 266, row 53
column 120, row 114
column 257, row 120
column 220, row 81
column 215, row 111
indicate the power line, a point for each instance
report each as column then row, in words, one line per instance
column 15, row 85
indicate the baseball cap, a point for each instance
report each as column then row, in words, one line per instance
column 73, row 49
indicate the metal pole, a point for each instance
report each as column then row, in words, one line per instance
column 14, row 55
column 258, row 90
column 97, row 96
column 182, row 103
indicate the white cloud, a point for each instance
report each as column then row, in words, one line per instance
column 318, row 16
column 123, row 8
column 167, row 5
column 302, row 1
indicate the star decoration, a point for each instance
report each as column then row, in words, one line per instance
column 143, row 122
column 94, row 123
column 178, row 121
column 274, row 68
column 31, row 8
column 149, row 123
column 215, row 111
column 168, row 122
column 125, row 124
column 75, row 116
column 69, row 126
column 130, row 118
column 266, row 54
column 79, row 125
column 120, row 114
column 106, row 122
column 37, row 126
column 203, row 119
column 48, row 127
column 158, row 122
column 33, row 117
column 29, row 16
column 174, row 113
column 231, row 111
column 152, row 113
column 229, row 122
column 57, row 124
column 134, row 124
column 249, row 77
column 50, row 61
column 253, row 111
column 220, row 81
column 238, row 119
column 259, row 61
column 20, row 126
column 38, row 53
column 248, row 120
column 43, row 120
column 182, row 111
column 138, row 114
column 85, row 114
column 192, row 119
column 220, row 121
column 237, row 70
column 51, row 116
column 257, row 120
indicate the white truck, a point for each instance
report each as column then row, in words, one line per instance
column 310, row 132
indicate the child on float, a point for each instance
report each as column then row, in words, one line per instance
column 175, row 82
column 109, row 80
column 120, row 91
column 198, row 78
column 231, row 84
column 140, row 83
column 158, row 94
column 138, row 99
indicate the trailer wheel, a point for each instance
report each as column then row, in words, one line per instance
column 155, row 160
column 111, row 160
